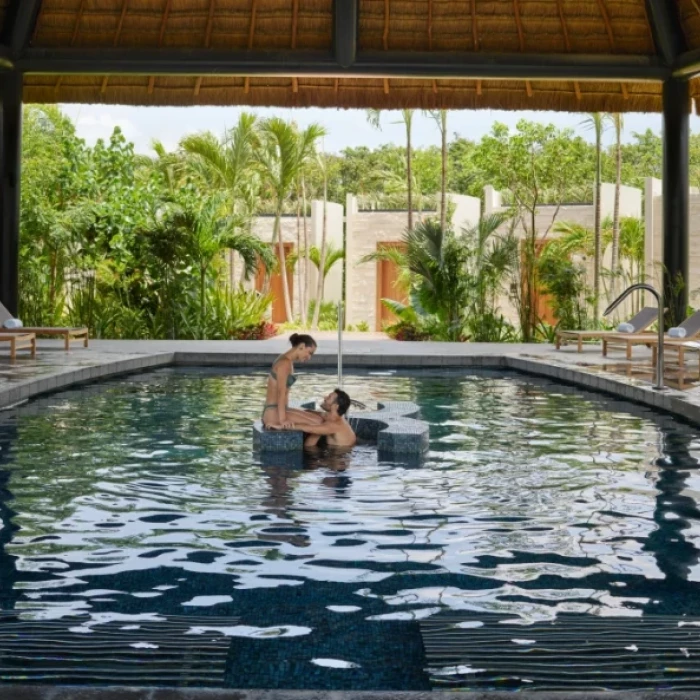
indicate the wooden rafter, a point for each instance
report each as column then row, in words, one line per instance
column 251, row 36
column 385, row 39
column 648, row 21
column 207, row 40
column 161, row 35
column 521, row 39
column 567, row 42
column 115, row 42
column 696, row 5
column 608, row 25
column 74, row 36
column 430, row 35
column 295, row 21
column 475, row 39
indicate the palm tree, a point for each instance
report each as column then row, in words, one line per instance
column 281, row 154
column 211, row 229
column 596, row 122
column 617, row 122
column 324, row 232
column 333, row 256
column 224, row 165
column 374, row 118
column 440, row 117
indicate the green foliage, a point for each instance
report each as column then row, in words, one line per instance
column 328, row 315
column 134, row 246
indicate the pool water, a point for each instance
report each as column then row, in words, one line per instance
column 141, row 498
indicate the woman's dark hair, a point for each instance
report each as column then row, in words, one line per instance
column 302, row 338
column 343, row 402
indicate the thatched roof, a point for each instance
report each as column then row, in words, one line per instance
column 619, row 28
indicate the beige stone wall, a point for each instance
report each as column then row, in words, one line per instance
column 364, row 230
column 655, row 269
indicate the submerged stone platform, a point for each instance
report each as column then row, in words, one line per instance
column 393, row 426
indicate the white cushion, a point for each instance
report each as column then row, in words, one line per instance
column 625, row 327
column 12, row 323
column 677, row 332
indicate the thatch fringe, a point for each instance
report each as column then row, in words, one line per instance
column 541, row 26
column 318, row 92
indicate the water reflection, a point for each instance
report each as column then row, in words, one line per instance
column 144, row 497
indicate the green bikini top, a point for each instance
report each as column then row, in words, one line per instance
column 290, row 377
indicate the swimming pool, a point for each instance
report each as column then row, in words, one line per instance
column 138, row 503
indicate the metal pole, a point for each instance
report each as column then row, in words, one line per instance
column 340, row 344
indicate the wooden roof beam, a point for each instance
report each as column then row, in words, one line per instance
column 368, row 64
column 20, row 20
column 345, row 19
column 666, row 29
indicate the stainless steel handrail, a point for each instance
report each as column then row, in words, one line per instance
column 659, row 300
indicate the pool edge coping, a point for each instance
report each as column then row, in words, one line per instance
column 670, row 401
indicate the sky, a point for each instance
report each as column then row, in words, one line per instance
column 346, row 128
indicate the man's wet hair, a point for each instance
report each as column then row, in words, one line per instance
column 342, row 400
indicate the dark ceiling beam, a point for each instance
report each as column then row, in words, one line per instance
column 345, row 21
column 688, row 65
column 19, row 24
column 667, row 30
column 382, row 64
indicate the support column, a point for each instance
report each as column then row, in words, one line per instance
column 10, row 158
column 676, row 189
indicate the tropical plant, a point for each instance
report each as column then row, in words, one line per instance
column 210, row 230
column 440, row 117
column 617, row 122
column 282, row 153
column 596, row 122
column 374, row 118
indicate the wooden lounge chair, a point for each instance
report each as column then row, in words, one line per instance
column 639, row 322
column 18, row 341
column 57, row 332
column 691, row 325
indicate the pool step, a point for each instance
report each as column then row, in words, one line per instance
column 574, row 653
column 168, row 651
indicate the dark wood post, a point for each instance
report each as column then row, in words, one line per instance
column 676, row 192
column 10, row 158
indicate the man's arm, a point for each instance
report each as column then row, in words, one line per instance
column 327, row 428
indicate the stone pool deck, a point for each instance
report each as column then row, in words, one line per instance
column 54, row 368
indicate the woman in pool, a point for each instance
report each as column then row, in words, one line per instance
column 280, row 381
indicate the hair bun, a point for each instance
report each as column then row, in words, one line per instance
column 294, row 338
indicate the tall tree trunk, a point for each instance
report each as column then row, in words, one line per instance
column 597, row 237
column 283, row 263
column 615, row 264
column 305, row 297
column 298, row 265
column 409, row 171
column 443, row 191
column 322, row 256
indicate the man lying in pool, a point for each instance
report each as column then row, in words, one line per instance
column 334, row 427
